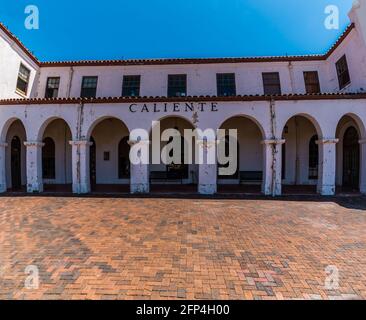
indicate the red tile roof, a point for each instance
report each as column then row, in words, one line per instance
column 319, row 57
column 238, row 98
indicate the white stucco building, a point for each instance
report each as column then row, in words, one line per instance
column 301, row 120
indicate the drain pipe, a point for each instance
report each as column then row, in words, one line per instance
column 273, row 145
column 292, row 80
column 71, row 76
column 78, row 138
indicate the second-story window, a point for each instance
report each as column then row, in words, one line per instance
column 52, row 86
column 131, row 86
column 271, row 83
column 344, row 78
column 89, row 87
column 312, row 84
column 177, row 85
column 226, row 84
column 23, row 79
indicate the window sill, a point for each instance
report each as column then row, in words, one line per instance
column 345, row 87
column 20, row 93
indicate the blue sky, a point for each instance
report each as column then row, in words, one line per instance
column 128, row 29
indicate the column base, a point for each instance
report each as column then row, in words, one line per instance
column 363, row 189
column 2, row 188
column 267, row 190
column 80, row 188
column 325, row 190
column 140, row 188
column 207, row 189
column 35, row 188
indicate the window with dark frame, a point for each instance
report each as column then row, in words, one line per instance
column 89, row 87
column 312, row 84
column 106, row 155
column 23, row 79
column 271, row 83
column 131, row 86
column 177, row 85
column 344, row 78
column 48, row 159
column 52, row 86
column 226, row 84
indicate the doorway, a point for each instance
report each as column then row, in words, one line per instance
column 351, row 159
column 16, row 170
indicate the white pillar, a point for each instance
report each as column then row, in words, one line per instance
column 80, row 166
column 363, row 166
column 3, row 187
column 272, row 175
column 139, row 171
column 207, row 171
column 327, row 166
column 34, row 166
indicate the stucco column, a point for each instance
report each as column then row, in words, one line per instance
column 327, row 166
column 139, row 175
column 3, row 187
column 363, row 166
column 80, row 166
column 272, row 174
column 207, row 168
column 34, row 166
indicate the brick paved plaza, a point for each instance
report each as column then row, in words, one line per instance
column 137, row 248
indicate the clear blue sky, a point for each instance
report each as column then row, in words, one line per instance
column 128, row 29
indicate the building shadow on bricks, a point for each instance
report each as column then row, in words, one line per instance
column 353, row 201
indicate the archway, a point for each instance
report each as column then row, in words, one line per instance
column 16, row 176
column 300, row 161
column 109, row 156
column 56, row 157
column 16, row 169
column 248, row 176
column 351, row 159
column 168, row 176
column 49, row 159
column 348, row 155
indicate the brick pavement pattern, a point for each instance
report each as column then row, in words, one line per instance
column 138, row 248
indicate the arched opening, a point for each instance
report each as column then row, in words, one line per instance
column 248, row 176
column 16, row 176
column 109, row 157
column 313, row 158
column 348, row 155
column 300, row 158
column 56, row 157
column 181, row 175
column 49, row 159
column 16, row 169
column 351, row 159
